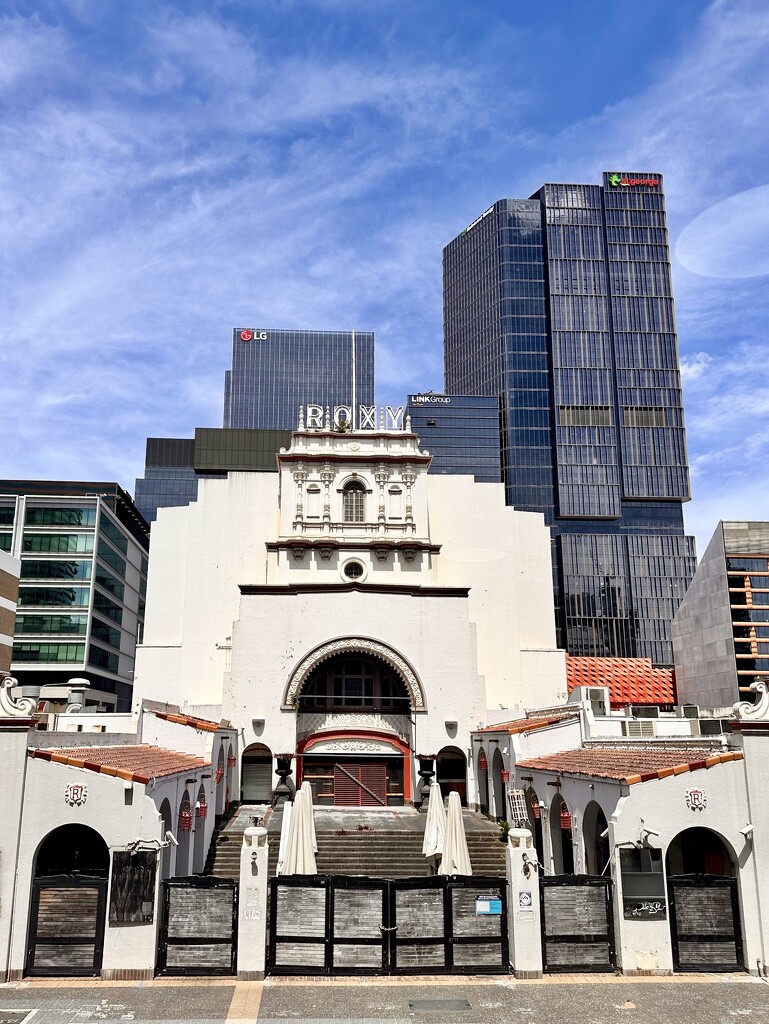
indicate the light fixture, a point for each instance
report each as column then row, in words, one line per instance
column 747, row 831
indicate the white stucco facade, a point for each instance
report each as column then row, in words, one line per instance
column 352, row 544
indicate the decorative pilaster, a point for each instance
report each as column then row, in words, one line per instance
column 327, row 478
column 381, row 476
column 408, row 477
column 300, row 478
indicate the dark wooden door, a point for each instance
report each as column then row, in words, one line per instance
column 66, row 927
column 705, row 923
column 199, row 927
column 360, row 785
column 577, row 923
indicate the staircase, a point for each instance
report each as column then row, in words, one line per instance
column 385, row 847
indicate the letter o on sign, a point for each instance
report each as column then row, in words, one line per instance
column 246, row 335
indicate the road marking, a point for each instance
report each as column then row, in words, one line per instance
column 246, row 999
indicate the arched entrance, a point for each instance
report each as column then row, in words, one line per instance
column 535, row 820
column 451, row 773
column 597, row 850
column 703, row 901
column 561, row 837
column 69, row 897
column 199, row 835
column 482, row 775
column 166, row 853
column 354, row 727
column 219, row 782
column 256, row 774
column 183, row 833
column 498, row 786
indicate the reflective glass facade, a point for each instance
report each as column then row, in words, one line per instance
column 461, row 432
column 275, row 372
column 82, row 584
column 562, row 305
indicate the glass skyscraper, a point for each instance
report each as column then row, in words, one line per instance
column 461, row 432
column 275, row 372
column 562, row 306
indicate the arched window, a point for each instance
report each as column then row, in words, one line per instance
column 354, row 502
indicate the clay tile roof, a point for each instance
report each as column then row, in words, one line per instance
column 135, row 763
column 202, row 724
column 528, row 724
column 630, row 680
column 628, row 764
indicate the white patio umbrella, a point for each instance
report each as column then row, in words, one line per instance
column 456, row 857
column 300, row 856
column 307, row 790
column 435, row 824
column 285, row 828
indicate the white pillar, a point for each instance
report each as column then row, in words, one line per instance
column 523, row 909
column 252, row 905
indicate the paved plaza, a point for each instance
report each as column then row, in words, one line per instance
column 596, row 999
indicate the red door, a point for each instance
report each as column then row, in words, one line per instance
column 360, row 785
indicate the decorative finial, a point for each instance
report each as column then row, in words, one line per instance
column 408, row 423
column 381, row 418
column 327, row 423
column 15, row 707
column 301, row 418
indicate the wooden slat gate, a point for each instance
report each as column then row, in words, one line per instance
column 577, row 923
column 357, row 925
column 199, row 926
column 66, row 926
column 705, row 923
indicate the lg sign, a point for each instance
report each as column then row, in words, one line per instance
column 256, row 335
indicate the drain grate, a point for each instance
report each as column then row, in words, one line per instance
column 438, row 1005
column 15, row 1016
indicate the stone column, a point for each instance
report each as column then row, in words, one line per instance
column 523, row 910
column 252, row 905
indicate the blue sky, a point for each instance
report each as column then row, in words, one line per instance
column 170, row 170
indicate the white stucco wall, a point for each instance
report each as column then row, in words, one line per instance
column 13, row 757
column 660, row 804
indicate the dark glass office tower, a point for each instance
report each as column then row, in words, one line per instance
column 274, row 372
column 562, row 306
column 461, row 432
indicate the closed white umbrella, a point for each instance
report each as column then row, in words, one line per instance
column 435, row 823
column 285, row 828
column 456, row 857
column 300, row 856
column 307, row 790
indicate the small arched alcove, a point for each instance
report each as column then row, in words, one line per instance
column 561, row 837
column 451, row 773
column 256, row 774
column 596, row 839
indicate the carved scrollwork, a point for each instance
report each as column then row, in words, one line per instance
column 757, row 711
column 358, row 645
column 15, row 707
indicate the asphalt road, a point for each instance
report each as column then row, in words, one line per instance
column 579, row 1000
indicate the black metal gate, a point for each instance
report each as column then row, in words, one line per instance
column 705, row 923
column 356, row 925
column 66, row 926
column 577, row 923
column 199, row 926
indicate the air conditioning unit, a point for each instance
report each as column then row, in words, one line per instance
column 687, row 711
column 642, row 711
column 599, row 700
column 714, row 726
column 639, row 730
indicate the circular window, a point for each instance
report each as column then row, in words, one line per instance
column 353, row 570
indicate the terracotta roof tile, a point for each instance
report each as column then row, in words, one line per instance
column 628, row 764
column 519, row 725
column 630, row 680
column 134, row 763
column 202, row 724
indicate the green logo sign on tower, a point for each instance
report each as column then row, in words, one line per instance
column 617, row 180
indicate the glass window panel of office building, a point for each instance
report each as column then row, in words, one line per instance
column 81, row 592
column 275, row 372
column 562, row 306
column 460, row 432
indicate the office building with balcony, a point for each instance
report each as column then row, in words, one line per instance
column 721, row 630
column 83, row 550
column 461, row 433
column 561, row 306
